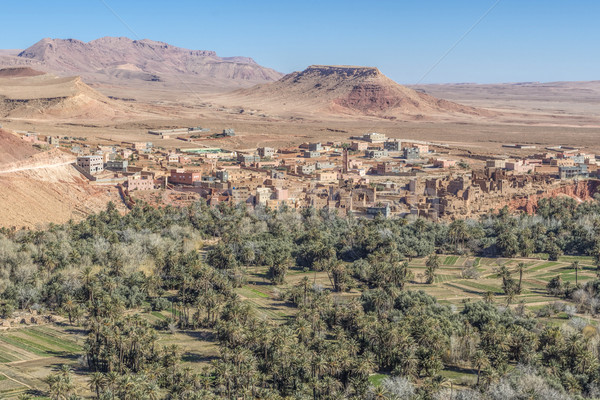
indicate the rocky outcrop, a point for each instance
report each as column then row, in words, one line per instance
column 582, row 190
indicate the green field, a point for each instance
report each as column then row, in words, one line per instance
column 28, row 353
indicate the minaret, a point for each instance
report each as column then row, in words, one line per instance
column 345, row 161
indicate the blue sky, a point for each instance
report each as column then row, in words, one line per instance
column 520, row 40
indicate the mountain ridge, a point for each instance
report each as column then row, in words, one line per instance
column 103, row 61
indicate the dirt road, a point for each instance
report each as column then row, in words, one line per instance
column 20, row 169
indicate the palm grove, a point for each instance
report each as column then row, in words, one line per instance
column 100, row 272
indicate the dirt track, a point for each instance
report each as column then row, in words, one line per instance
column 44, row 166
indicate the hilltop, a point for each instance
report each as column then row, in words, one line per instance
column 346, row 90
column 25, row 93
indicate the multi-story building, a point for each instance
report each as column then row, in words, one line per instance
column 327, row 176
column 570, row 172
column 140, row 182
column 384, row 168
column 311, row 154
column 117, row 165
column 380, row 210
column 359, row 146
column 275, row 174
column 315, row 147
column 376, row 153
column 518, row 166
column 495, row 163
column 307, row 169
column 266, row 152
column 374, row 137
column 142, row 146
column 91, row 164
column 393, row 145
column 222, row 175
column 324, row 165
column 173, row 158
column 184, row 177
column 411, row 153
column 562, row 162
column 248, row 159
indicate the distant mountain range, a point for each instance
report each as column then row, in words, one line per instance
column 122, row 60
column 156, row 71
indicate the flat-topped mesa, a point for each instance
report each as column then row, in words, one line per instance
column 344, row 71
column 348, row 89
column 47, row 46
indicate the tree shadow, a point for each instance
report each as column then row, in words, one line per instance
column 461, row 370
column 206, row 336
column 191, row 356
column 36, row 393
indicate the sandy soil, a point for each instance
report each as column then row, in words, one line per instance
column 46, row 188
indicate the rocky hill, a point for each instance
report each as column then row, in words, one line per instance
column 26, row 94
column 359, row 91
column 122, row 60
column 44, row 188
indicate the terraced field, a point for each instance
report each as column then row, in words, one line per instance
column 29, row 354
column 449, row 286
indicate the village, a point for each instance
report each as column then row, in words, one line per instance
column 366, row 176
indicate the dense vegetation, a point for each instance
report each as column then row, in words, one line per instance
column 99, row 271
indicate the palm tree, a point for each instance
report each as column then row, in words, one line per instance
column 432, row 264
column 69, row 307
column 458, row 232
column 480, row 361
column 86, row 276
column 520, row 269
column 488, row 297
column 97, row 382
column 510, row 297
column 596, row 254
column 575, row 266
column 61, row 383
column 111, row 379
column 429, row 274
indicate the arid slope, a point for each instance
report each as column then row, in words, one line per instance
column 26, row 94
column 12, row 148
column 37, row 188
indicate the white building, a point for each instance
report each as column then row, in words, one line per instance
column 91, row 164
column 374, row 137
